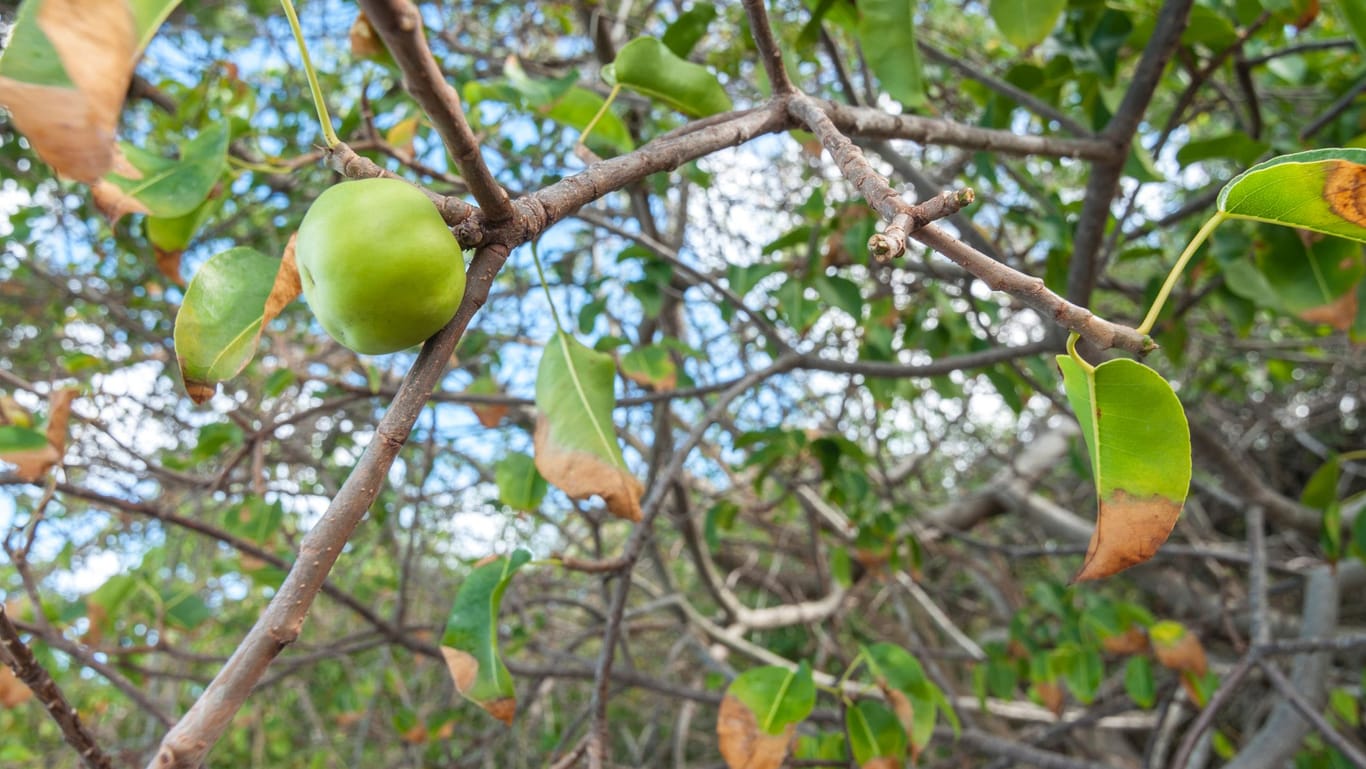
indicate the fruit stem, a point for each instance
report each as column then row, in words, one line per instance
column 324, row 119
column 1181, row 262
column 588, row 129
column 540, row 272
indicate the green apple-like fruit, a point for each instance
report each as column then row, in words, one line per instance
column 379, row 267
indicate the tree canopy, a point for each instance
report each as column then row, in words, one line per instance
column 809, row 383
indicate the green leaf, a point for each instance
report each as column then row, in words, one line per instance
column 647, row 66
column 1236, row 146
column 175, row 233
column 840, row 292
column 576, row 443
column 577, row 108
column 1026, row 23
column 1319, row 190
column 1321, row 490
column 227, row 304
column 173, row 188
column 20, row 439
column 1354, row 11
column 470, row 643
column 183, row 609
column 650, row 366
column 682, row 35
column 875, row 732
column 776, row 695
column 255, row 520
column 520, row 487
column 905, row 683
column 886, row 31
column 796, row 309
column 1139, row 682
column 1139, row 445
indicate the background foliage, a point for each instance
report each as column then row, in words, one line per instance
column 845, row 454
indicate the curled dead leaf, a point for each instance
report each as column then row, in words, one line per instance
column 365, row 42
column 1129, row 530
column 71, row 126
column 287, row 284
column 743, row 744
column 582, row 475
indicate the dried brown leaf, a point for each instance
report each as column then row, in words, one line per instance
column 582, row 475
column 1340, row 313
column 1129, row 530
column 462, row 666
column 33, row 464
column 489, row 415
column 1051, row 696
column 365, row 42
column 1131, row 641
column 13, row 692
column 168, row 263
column 743, row 744
column 287, row 285
column 72, row 129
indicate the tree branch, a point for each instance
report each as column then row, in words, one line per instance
column 185, row 746
column 399, row 25
column 16, row 654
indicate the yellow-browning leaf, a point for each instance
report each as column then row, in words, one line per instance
column 1345, row 190
column 13, row 692
column 33, row 464
column 743, row 744
column 901, row 705
column 73, row 129
column 582, row 475
column 1185, row 654
column 883, row 762
column 1128, row 531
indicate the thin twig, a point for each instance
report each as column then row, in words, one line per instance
column 16, row 654
column 769, row 52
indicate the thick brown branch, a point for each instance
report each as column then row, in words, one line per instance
column 769, row 52
column 185, row 746
column 399, row 24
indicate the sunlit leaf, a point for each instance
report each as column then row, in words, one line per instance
column 229, row 301
column 576, row 442
column 886, row 31
column 1139, row 445
column 1026, row 23
column 759, row 715
column 145, row 182
column 470, row 643
column 648, row 66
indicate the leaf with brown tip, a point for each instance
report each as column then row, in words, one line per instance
column 575, row 441
column 1140, row 450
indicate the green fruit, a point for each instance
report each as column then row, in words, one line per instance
column 379, row 267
